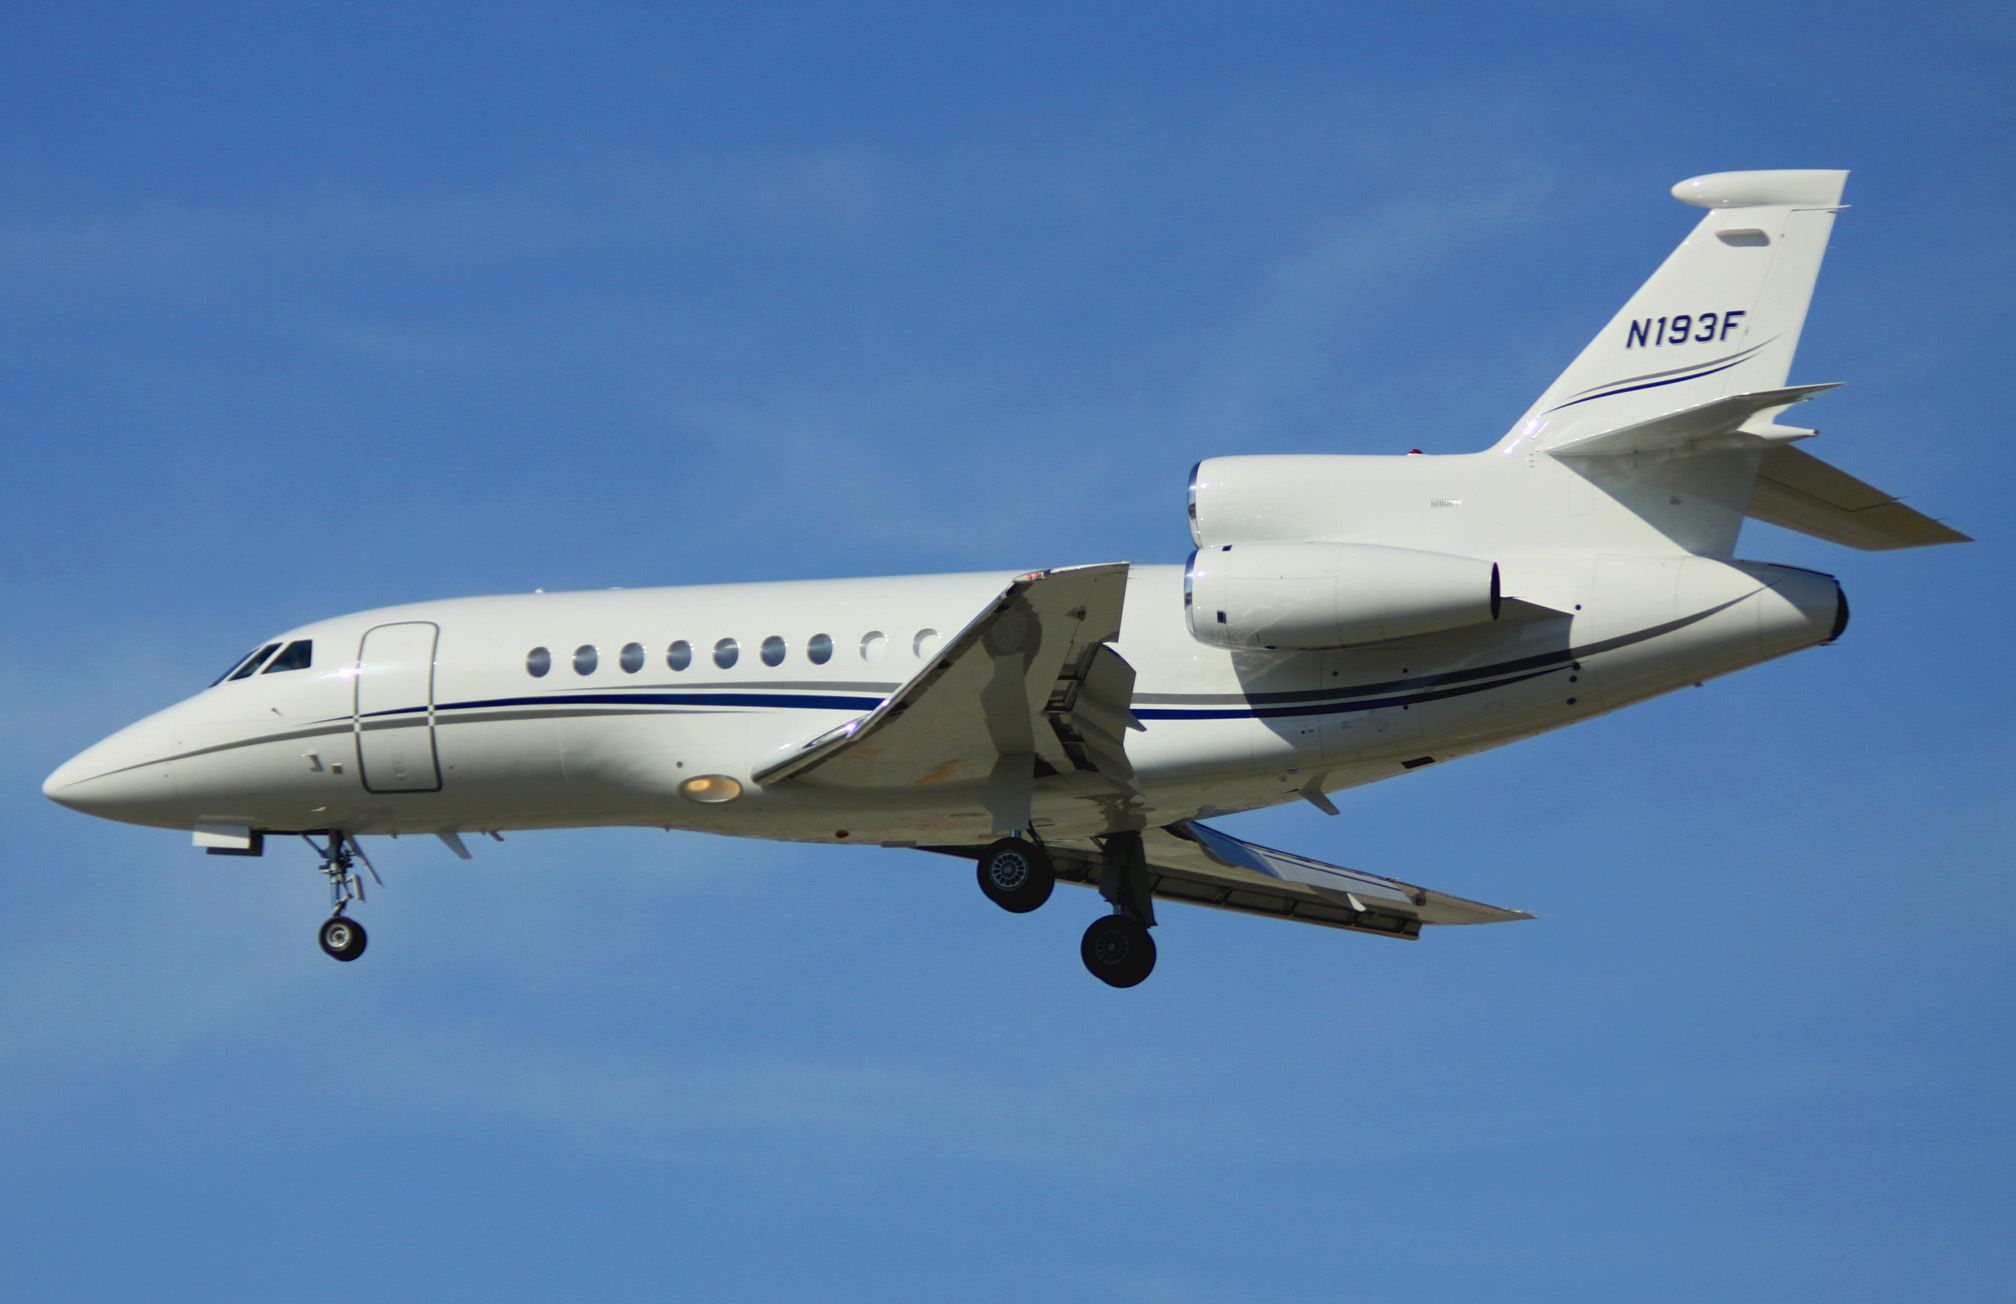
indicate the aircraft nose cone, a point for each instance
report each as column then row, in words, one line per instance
column 110, row 780
column 66, row 782
column 63, row 776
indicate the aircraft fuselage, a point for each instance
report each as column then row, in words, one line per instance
column 427, row 718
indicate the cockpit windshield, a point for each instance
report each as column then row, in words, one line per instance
column 240, row 669
column 298, row 655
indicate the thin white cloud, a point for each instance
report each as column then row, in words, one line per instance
column 1321, row 310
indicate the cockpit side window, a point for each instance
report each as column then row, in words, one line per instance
column 298, row 655
column 247, row 666
column 227, row 672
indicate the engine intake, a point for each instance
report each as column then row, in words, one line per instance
column 1331, row 595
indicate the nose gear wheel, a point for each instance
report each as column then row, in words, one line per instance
column 342, row 937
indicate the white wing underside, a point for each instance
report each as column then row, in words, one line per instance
column 1196, row 863
column 1030, row 692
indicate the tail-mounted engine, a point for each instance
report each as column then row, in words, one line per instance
column 1330, row 595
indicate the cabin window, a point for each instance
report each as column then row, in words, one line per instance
column 537, row 662
column 298, row 655
column 773, row 651
column 254, row 661
column 586, row 658
column 679, row 655
column 725, row 652
column 819, row 649
column 925, row 643
column 632, row 658
column 874, row 644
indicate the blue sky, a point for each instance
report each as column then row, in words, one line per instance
column 313, row 311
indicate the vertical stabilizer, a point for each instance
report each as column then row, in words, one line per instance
column 1721, row 316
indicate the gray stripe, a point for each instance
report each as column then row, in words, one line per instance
column 348, row 725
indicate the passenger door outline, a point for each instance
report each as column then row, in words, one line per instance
column 383, row 713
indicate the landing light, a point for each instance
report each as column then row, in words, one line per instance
column 711, row 789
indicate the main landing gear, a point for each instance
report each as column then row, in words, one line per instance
column 342, row 937
column 1017, row 875
column 1118, row 950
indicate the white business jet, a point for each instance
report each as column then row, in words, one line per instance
column 1343, row 619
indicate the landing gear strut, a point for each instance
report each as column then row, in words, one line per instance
column 1017, row 875
column 341, row 936
column 1117, row 949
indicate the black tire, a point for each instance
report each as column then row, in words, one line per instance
column 1118, row 951
column 342, row 938
column 1016, row 875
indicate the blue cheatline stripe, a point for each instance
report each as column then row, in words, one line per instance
column 803, row 701
column 1538, row 661
column 1209, row 706
column 1261, row 706
column 864, row 704
column 806, row 701
column 1331, row 708
column 1650, row 384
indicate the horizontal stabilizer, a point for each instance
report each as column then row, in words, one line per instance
column 1704, row 428
column 1800, row 492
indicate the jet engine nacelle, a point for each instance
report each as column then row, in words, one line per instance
column 1330, row 595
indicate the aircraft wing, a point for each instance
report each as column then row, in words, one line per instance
column 1029, row 683
column 1192, row 862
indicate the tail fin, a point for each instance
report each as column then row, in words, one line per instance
column 1721, row 316
column 1660, row 438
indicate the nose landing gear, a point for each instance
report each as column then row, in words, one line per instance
column 342, row 937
